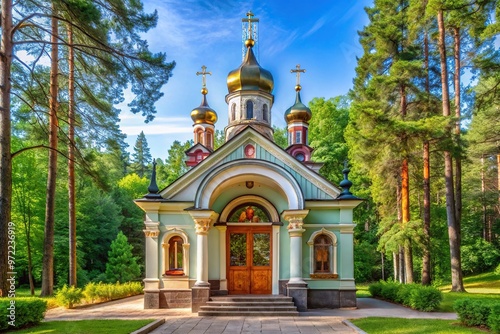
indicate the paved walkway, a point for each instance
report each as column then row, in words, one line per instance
column 182, row 321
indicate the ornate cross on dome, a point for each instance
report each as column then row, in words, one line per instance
column 297, row 71
column 250, row 26
column 203, row 73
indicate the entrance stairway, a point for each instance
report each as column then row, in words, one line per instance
column 250, row 305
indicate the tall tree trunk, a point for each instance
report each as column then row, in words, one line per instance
column 48, row 243
column 395, row 265
column 6, row 49
column 483, row 201
column 426, row 258
column 405, row 195
column 453, row 233
column 27, row 229
column 405, row 205
column 71, row 162
column 458, row 115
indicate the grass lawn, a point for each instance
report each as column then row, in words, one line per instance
column 412, row 326
column 484, row 286
column 362, row 290
column 25, row 292
column 86, row 327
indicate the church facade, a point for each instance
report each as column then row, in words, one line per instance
column 250, row 217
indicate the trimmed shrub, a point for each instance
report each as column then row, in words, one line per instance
column 418, row 297
column 472, row 312
column 404, row 293
column 375, row 289
column 425, row 298
column 390, row 290
column 25, row 311
column 69, row 296
column 494, row 318
column 497, row 270
column 103, row 292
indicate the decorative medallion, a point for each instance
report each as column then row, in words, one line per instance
column 249, row 151
column 202, row 225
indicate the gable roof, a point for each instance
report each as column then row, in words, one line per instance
column 268, row 151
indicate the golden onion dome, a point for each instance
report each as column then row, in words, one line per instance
column 250, row 75
column 299, row 111
column 204, row 114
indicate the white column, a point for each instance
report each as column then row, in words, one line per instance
column 222, row 257
column 295, row 223
column 202, row 225
column 151, row 280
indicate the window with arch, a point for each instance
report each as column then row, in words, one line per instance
column 249, row 212
column 176, row 254
column 210, row 139
column 265, row 113
column 323, row 254
column 233, row 112
column 249, row 109
column 199, row 136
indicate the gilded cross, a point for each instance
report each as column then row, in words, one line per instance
column 203, row 73
column 297, row 71
column 250, row 18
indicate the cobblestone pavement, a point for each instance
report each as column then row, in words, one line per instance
column 182, row 321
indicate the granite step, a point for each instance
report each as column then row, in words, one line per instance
column 278, row 306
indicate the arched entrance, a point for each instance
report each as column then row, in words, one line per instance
column 249, row 245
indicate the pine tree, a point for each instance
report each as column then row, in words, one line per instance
column 122, row 266
column 141, row 158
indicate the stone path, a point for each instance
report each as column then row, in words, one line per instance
column 182, row 321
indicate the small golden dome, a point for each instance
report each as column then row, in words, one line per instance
column 204, row 114
column 250, row 76
column 299, row 111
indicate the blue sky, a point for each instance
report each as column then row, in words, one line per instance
column 319, row 35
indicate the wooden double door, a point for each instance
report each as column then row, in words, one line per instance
column 249, row 259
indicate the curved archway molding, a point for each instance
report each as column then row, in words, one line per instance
column 277, row 174
column 250, row 199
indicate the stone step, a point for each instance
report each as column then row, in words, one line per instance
column 262, row 304
column 248, row 313
column 243, row 307
column 249, row 306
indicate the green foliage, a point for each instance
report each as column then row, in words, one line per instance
column 69, row 296
column 418, row 297
column 326, row 134
column 87, row 326
column 280, row 136
column 174, row 166
column 121, row 266
column 479, row 257
column 425, row 298
column 101, row 292
column 26, row 311
column 141, row 158
column 497, row 270
column 376, row 325
column 96, row 293
column 472, row 312
column 494, row 318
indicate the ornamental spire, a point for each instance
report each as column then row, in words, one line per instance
column 297, row 71
column 203, row 74
column 153, row 187
column 248, row 32
column 346, row 184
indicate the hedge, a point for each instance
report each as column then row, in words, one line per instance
column 418, row 297
column 96, row 293
column 478, row 313
column 22, row 311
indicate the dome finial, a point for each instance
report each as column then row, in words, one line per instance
column 297, row 71
column 203, row 74
column 249, row 32
column 153, row 187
